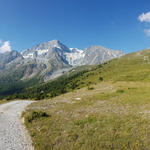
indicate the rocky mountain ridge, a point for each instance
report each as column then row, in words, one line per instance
column 51, row 59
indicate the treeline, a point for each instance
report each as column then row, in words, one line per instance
column 11, row 83
column 9, row 88
column 63, row 84
column 51, row 89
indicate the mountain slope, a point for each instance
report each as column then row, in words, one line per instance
column 50, row 55
column 131, row 67
column 75, row 57
column 98, row 54
column 9, row 60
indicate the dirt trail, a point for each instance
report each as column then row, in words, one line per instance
column 13, row 135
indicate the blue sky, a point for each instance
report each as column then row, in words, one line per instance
column 76, row 23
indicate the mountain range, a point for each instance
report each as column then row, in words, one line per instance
column 49, row 60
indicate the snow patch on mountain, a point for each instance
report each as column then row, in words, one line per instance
column 30, row 55
column 42, row 51
column 75, row 56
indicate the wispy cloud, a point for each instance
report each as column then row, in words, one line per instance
column 5, row 46
column 147, row 32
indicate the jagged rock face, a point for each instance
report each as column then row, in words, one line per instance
column 75, row 57
column 45, row 49
column 51, row 59
column 50, row 55
column 9, row 56
column 98, row 54
column 91, row 56
column 10, row 60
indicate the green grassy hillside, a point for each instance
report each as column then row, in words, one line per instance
column 109, row 116
column 131, row 67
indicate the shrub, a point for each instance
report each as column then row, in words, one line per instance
column 90, row 88
column 101, row 79
column 120, row 91
column 35, row 115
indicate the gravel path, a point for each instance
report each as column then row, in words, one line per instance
column 13, row 135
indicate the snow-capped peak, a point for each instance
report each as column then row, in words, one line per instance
column 73, row 56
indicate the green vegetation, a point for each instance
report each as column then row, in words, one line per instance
column 10, row 88
column 90, row 88
column 111, row 116
column 34, row 115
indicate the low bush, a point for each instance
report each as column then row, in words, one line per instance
column 120, row 91
column 101, row 79
column 90, row 88
column 35, row 115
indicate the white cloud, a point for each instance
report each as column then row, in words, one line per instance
column 147, row 31
column 5, row 46
column 144, row 17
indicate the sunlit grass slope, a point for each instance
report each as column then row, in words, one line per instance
column 131, row 67
column 110, row 116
